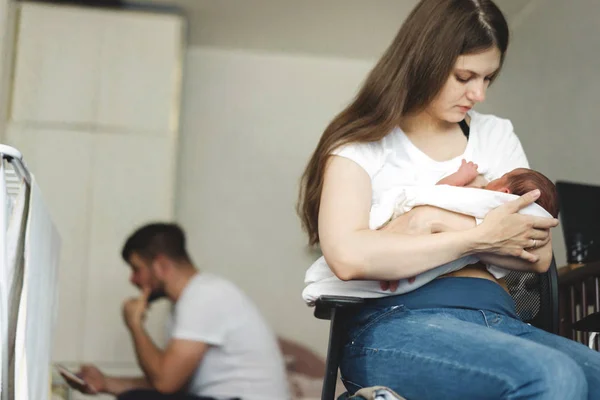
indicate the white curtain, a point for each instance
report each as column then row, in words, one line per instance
column 38, row 301
column 12, row 214
column 4, row 285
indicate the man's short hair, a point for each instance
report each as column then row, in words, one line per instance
column 156, row 239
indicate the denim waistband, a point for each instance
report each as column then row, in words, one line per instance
column 454, row 292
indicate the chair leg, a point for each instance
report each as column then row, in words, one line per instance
column 333, row 356
column 591, row 341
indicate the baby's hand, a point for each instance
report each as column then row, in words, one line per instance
column 465, row 174
column 468, row 170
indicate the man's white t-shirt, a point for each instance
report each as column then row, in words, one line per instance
column 395, row 161
column 243, row 359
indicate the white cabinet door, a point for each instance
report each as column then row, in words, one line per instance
column 61, row 164
column 132, row 179
column 141, row 72
column 95, row 112
column 57, row 65
column 114, row 70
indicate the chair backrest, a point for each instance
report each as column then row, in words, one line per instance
column 536, row 297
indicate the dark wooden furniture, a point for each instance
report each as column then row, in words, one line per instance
column 579, row 296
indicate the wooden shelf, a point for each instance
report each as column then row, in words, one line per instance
column 578, row 274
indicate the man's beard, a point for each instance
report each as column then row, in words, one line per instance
column 156, row 294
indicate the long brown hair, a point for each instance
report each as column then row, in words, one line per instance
column 409, row 75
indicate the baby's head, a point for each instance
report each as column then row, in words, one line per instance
column 522, row 180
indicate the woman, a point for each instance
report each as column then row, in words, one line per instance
column 457, row 337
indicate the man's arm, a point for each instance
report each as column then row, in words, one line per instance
column 97, row 382
column 166, row 371
column 118, row 385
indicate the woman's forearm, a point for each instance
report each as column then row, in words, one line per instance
column 403, row 248
column 384, row 255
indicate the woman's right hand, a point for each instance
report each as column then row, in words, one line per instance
column 506, row 232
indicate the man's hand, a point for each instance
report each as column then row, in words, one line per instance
column 95, row 380
column 134, row 309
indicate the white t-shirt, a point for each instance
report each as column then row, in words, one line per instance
column 243, row 359
column 395, row 161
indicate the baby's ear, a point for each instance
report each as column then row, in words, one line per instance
column 505, row 190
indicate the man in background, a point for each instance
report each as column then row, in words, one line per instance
column 218, row 347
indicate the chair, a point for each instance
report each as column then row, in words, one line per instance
column 589, row 324
column 536, row 298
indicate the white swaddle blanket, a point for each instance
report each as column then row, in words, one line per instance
column 320, row 280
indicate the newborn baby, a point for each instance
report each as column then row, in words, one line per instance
column 518, row 181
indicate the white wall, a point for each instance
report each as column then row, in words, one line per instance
column 250, row 123
column 357, row 29
column 550, row 89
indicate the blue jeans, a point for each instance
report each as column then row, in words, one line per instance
column 454, row 353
